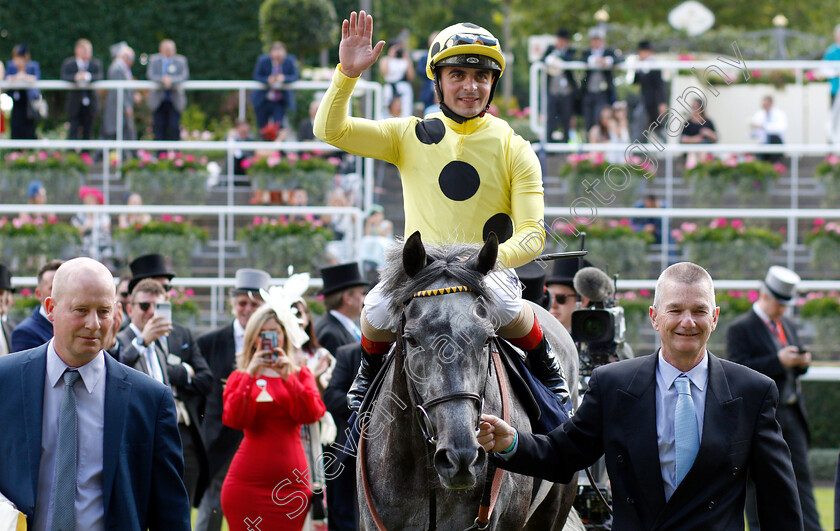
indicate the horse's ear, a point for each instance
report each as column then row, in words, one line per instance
column 414, row 255
column 486, row 258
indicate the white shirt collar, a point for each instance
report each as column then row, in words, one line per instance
column 760, row 313
column 43, row 312
column 345, row 321
column 699, row 375
column 91, row 372
column 238, row 331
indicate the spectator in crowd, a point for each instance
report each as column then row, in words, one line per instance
column 597, row 89
column 833, row 54
column 83, row 103
column 98, row 447
column 133, row 219
column 563, row 90
column 124, row 299
column 94, row 226
column 186, row 369
column 611, row 129
column 769, row 125
column 379, row 233
column 304, row 132
column 398, row 72
column 681, row 430
column 698, row 130
column 654, row 97
column 342, row 226
column 241, row 133
column 344, row 292
column 653, row 224
column 428, row 95
column 169, row 100
column 37, row 329
column 269, row 397
column 36, row 195
column 220, row 348
column 6, row 302
column 120, row 70
column 312, row 354
column 275, row 69
column 24, row 116
column 767, row 341
column 561, row 289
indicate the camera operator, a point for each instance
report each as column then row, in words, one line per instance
column 560, row 285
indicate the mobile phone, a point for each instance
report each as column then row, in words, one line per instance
column 164, row 309
column 270, row 341
column 801, row 350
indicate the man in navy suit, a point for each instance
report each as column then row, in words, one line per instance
column 128, row 466
column 563, row 91
column 681, row 430
column 36, row 329
column 597, row 89
column 82, row 104
column 274, row 68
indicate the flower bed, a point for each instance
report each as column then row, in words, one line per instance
column 275, row 244
column 61, row 173
column 615, row 243
column 821, row 312
column 305, row 172
column 746, row 180
column 171, row 236
column 184, row 308
column 824, row 243
column 727, row 249
column 592, row 167
column 27, row 246
column 178, row 179
column 828, row 175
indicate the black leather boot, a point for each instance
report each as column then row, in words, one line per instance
column 545, row 366
column 368, row 369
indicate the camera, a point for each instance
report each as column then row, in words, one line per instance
column 269, row 340
column 598, row 329
column 400, row 53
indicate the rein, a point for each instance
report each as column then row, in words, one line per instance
column 493, row 477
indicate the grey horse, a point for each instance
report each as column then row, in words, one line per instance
column 417, row 467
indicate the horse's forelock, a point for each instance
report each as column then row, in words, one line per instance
column 443, row 261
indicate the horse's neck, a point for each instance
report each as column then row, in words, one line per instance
column 394, row 410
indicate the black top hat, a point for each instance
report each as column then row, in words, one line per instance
column 563, row 33
column 532, row 276
column 564, row 271
column 5, row 278
column 341, row 277
column 645, row 45
column 148, row 266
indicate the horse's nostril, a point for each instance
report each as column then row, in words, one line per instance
column 458, row 460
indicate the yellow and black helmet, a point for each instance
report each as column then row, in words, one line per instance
column 467, row 45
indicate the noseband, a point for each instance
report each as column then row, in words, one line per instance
column 423, row 419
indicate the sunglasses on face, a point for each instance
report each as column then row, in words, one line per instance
column 144, row 306
column 124, row 294
column 472, row 38
column 167, row 287
column 561, row 299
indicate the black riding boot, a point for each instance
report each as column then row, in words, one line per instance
column 545, row 366
column 368, row 369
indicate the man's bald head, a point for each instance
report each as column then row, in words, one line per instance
column 71, row 272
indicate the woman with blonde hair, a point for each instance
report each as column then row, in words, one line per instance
column 269, row 397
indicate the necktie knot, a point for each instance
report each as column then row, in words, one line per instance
column 71, row 377
column 683, row 385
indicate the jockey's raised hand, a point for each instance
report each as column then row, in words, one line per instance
column 355, row 51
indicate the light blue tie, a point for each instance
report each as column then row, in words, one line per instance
column 686, row 436
column 64, row 486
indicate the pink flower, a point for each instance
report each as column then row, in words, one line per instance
column 832, row 159
column 247, row 163
column 597, row 158
column 190, row 158
column 690, row 164
column 189, row 292
column 831, row 226
column 273, row 160
column 613, row 223
column 721, row 222
column 810, row 75
column 819, row 222
column 749, row 158
column 203, row 160
column 756, row 73
column 207, row 135
column 677, row 235
column 736, row 294
column 305, row 156
column 752, row 295
column 42, row 155
column 178, row 162
column 256, row 221
column 629, row 296
column 737, row 223
column 166, row 217
column 783, row 229
column 713, row 224
column 86, row 158
column 31, row 158
column 178, row 219
column 293, row 157
column 335, row 161
column 685, row 57
column 779, row 167
column 178, row 155
column 25, row 292
column 644, row 292
column 731, row 162
column 56, row 155
column 17, row 223
column 624, row 222
column 163, row 155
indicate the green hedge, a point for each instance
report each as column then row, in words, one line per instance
column 821, row 399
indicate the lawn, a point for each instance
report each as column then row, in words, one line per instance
column 825, row 506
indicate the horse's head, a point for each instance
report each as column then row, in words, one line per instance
column 445, row 339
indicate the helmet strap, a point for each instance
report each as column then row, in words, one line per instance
column 449, row 113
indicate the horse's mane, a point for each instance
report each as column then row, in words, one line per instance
column 442, row 261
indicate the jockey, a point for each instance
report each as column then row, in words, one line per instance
column 464, row 173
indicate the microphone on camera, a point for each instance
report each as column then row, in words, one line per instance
column 593, row 284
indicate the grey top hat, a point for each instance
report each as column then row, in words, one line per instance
column 781, row 284
column 251, row 281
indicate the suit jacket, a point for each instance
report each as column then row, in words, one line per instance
column 219, row 349
column 178, row 70
column 32, row 332
column 607, row 72
column 750, row 342
column 653, row 88
column 7, row 334
column 142, row 460
column 109, row 118
column 32, row 68
column 567, row 55
column 69, row 69
column 347, row 361
column 331, row 333
column 617, row 418
column 262, row 71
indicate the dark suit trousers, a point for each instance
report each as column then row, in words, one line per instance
column 273, row 110
column 192, row 467
column 593, row 102
column 209, row 517
column 82, row 119
column 341, row 498
column 796, row 438
column 560, row 111
column 166, row 122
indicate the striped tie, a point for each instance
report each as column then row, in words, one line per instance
column 686, row 436
column 64, row 485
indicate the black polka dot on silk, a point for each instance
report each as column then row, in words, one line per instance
column 501, row 224
column 430, row 131
column 459, row 181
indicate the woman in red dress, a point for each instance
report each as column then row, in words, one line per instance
column 268, row 486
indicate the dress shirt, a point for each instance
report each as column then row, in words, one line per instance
column 152, row 362
column 347, row 323
column 43, row 312
column 82, row 66
column 238, row 335
column 666, row 406
column 90, row 408
column 772, row 122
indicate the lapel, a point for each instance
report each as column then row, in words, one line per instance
column 719, row 424
column 228, row 345
column 117, row 395
column 762, row 331
column 348, row 335
column 32, row 380
column 638, row 418
column 161, row 356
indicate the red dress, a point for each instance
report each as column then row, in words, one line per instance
column 267, row 486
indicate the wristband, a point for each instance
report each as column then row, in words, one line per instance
column 512, row 445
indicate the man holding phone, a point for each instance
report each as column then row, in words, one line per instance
column 765, row 340
column 183, row 367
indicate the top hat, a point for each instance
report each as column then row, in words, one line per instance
column 250, row 281
column 532, row 276
column 563, row 33
column 341, row 277
column 597, row 33
column 5, row 278
column 781, row 284
column 148, row 266
column 564, row 271
column 645, row 45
